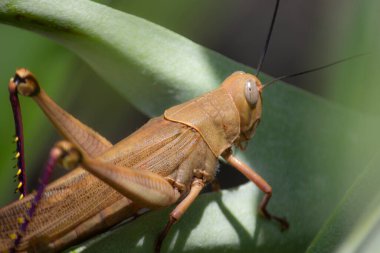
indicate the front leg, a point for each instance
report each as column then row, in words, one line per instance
column 196, row 187
column 263, row 186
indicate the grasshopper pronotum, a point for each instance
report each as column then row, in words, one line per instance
column 240, row 91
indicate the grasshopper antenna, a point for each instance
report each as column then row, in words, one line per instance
column 262, row 57
column 312, row 70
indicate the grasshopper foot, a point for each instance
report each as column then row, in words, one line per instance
column 162, row 235
column 284, row 224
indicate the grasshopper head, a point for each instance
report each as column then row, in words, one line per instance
column 245, row 90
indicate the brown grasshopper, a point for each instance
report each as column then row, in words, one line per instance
column 168, row 160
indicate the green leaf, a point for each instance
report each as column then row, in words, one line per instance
column 300, row 148
column 354, row 225
column 121, row 47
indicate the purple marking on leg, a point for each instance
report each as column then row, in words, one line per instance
column 19, row 135
column 53, row 159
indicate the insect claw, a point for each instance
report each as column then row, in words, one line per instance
column 284, row 224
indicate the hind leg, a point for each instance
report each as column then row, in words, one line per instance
column 86, row 139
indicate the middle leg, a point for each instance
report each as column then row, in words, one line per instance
column 176, row 214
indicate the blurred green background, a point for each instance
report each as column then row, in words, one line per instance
column 307, row 34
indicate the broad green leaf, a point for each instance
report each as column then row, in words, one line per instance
column 120, row 46
column 299, row 147
column 354, row 225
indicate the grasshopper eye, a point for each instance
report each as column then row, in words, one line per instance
column 251, row 92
